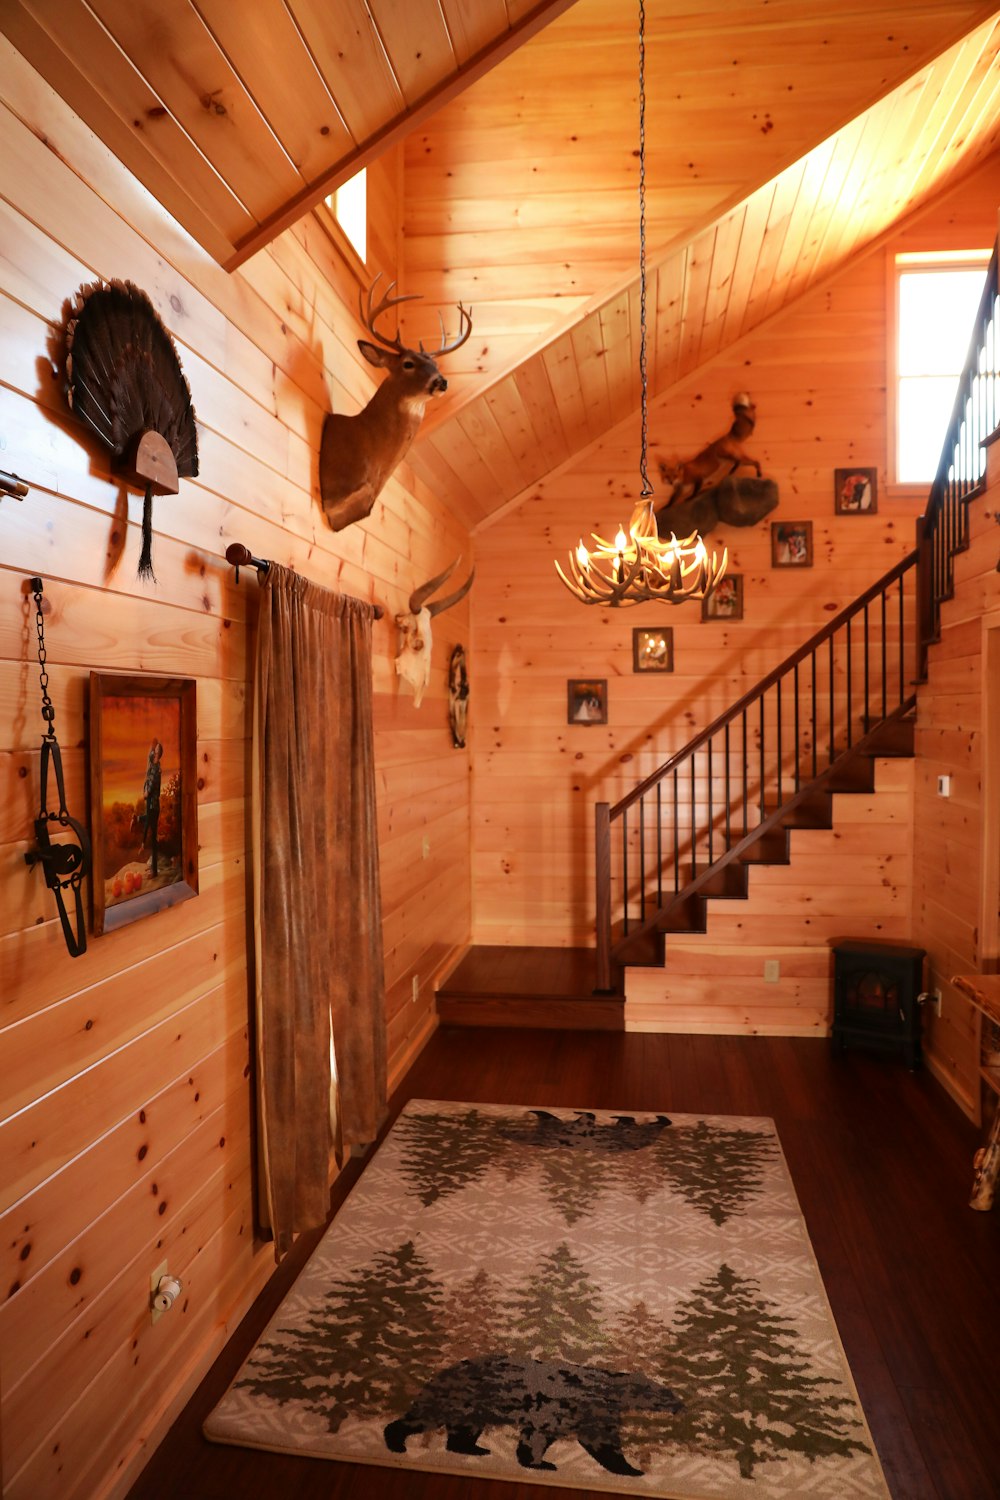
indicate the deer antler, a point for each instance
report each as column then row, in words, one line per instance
column 465, row 329
column 373, row 313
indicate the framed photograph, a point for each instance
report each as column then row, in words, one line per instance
column 725, row 602
column 587, row 700
column 143, row 795
column 653, row 649
column 855, row 491
column 791, row 544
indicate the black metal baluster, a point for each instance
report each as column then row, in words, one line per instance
column 763, row 813
column 746, row 768
column 659, row 844
column 729, row 840
column 832, row 707
column 882, row 598
column 642, row 860
column 795, row 685
column 694, row 811
column 780, row 740
column 711, row 816
column 815, row 719
column 867, row 718
column 902, row 644
column 850, row 738
column 677, row 837
column 625, row 872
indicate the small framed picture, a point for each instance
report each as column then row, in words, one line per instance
column 587, row 700
column 725, row 602
column 143, row 795
column 855, row 491
column 653, row 650
column 791, row 544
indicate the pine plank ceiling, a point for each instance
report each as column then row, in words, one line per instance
column 240, row 115
column 782, row 136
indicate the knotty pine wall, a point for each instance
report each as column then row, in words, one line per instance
column 125, row 1117
column 957, row 838
column 818, row 375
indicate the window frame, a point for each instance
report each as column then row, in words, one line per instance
column 327, row 218
column 899, row 260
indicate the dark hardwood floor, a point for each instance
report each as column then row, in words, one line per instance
column 881, row 1161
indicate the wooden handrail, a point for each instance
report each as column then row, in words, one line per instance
column 752, row 694
column 743, row 818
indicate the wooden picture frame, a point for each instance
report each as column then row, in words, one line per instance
column 725, row 602
column 653, row 648
column 791, row 544
column 587, row 700
column 855, row 492
column 143, row 795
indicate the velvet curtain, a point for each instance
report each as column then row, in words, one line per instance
column 318, row 929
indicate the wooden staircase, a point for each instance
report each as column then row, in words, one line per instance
column 772, row 763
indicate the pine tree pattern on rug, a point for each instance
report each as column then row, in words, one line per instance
column 615, row 1301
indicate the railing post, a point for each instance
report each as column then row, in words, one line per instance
column 602, row 874
column 924, row 624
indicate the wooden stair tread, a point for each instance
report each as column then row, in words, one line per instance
column 535, row 987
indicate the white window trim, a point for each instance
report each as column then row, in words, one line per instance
column 897, row 260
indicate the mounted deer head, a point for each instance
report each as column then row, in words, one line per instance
column 413, row 656
column 358, row 453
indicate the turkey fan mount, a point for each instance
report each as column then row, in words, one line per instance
column 124, row 380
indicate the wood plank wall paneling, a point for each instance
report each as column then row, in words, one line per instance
column 952, row 839
column 818, row 376
column 125, row 1110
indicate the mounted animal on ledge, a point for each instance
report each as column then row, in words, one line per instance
column 709, row 488
column 413, row 656
column 357, row 454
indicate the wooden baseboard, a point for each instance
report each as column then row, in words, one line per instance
column 415, row 1046
column 969, row 1107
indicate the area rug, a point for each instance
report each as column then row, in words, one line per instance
column 623, row 1302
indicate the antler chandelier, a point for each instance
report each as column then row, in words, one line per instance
column 641, row 565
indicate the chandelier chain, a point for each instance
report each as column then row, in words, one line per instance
column 647, row 488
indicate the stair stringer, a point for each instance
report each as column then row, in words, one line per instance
column 852, row 880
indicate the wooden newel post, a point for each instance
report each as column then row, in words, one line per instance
column 602, row 874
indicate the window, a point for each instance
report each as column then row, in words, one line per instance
column 937, row 296
column 350, row 209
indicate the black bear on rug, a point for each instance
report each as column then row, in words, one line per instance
column 542, row 1400
column 549, row 1130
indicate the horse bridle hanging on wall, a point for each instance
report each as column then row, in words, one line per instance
column 65, row 865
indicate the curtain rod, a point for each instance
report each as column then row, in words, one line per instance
column 242, row 557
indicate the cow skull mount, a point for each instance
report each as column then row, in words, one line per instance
column 413, row 654
column 358, row 453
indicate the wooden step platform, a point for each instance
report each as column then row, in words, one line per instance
column 534, row 987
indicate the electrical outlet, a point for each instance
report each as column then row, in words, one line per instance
column 944, row 786
column 936, row 997
column 416, row 987
column 772, row 970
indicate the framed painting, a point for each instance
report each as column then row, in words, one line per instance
column 791, row 544
column 143, row 795
column 653, row 649
column 725, row 602
column 855, row 492
column 587, row 700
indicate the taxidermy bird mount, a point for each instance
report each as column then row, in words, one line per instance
column 124, row 380
column 357, row 454
column 708, row 488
